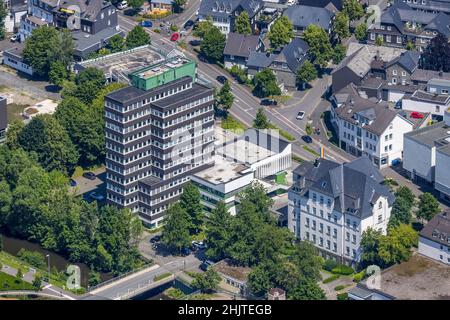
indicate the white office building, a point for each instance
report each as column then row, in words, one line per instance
column 332, row 204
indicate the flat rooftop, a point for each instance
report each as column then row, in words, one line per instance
column 430, row 134
column 245, row 151
column 227, row 268
column 223, row 171
column 419, row 278
column 121, row 64
column 161, row 67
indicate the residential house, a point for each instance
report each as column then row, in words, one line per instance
column 332, row 5
column 92, row 22
column 238, row 48
column 13, row 58
column 421, row 76
column 434, row 238
column 432, row 6
column 366, row 127
column 400, row 24
column 362, row 292
column 284, row 62
column 432, row 143
column 332, row 204
column 224, row 12
column 234, row 277
column 303, row 16
column 361, row 59
column 15, row 10
column 164, row 5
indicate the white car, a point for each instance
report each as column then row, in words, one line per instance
column 300, row 115
column 122, row 5
column 15, row 37
column 94, row 195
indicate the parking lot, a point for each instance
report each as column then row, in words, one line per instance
column 85, row 186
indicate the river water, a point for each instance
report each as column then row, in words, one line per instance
column 12, row 246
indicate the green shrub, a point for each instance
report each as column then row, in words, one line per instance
column 330, row 265
column 359, row 276
column 173, row 28
column 342, row 296
column 34, row 258
column 330, row 279
column 343, row 270
column 156, row 31
column 339, row 288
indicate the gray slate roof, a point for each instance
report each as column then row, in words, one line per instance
column 438, row 229
column 303, row 16
column 240, row 45
column 294, row 54
column 224, row 8
column 409, row 60
column 381, row 115
column 355, row 186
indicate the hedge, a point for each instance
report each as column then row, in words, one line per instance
column 342, row 296
column 330, row 265
column 339, row 288
column 332, row 278
column 343, row 270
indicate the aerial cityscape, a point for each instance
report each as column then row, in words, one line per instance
column 227, row 150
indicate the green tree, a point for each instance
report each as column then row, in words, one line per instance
column 45, row 46
column 306, row 259
column 242, row 24
column 406, row 193
column 88, row 84
column 206, row 282
column 361, row 32
column 320, row 49
column 179, row 4
column 116, row 43
column 225, row 97
column 261, row 121
column 213, row 44
column 379, row 40
column 202, row 28
column 307, row 290
column 341, row 26
column 256, row 194
column 12, row 135
column 37, row 283
column 339, row 53
column 5, row 202
column 354, row 9
column 176, row 228
column 401, row 212
column 370, row 243
column 19, row 274
column 137, row 37
column 45, row 136
column 135, row 4
column 396, row 246
column 306, row 73
column 190, row 201
column 410, row 46
column 94, row 278
column 281, row 32
column 266, row 84
column 3, row 15
column 58, row 73
column 428, row 207
column 218, row 232
column 259, row 281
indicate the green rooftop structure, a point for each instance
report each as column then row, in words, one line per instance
column 163, row 72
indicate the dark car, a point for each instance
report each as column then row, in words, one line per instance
column 89, row 175
column 202, row 58
column 317, row 130
column 72, row 183
column 206, row 264
column 222, row 79
column 155, row 239
column 188, row 24
column 268, row 102
column 185, row 251
column 307, row 139
column 195, row 43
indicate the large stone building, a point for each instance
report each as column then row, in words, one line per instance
column 159, row 131
column 332, row 204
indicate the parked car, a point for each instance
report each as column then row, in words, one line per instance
column 122, row 5
column 307, row 139
column 15, row 37
column 195, row 43
column 174, row 36
column 222, row 79
column 94, row 195
column 206, row 264
column 89, row 175
column 317, row 130
column 72, row 183
column 300, row 115
column 269, row 102
column 199, row 245
column 146, row 24
column 398, row 104
column 185, row 251
column 155, row 239
column 202, row 58
column 188, row 24
column 416, row 115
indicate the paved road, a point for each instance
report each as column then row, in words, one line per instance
column 188, row 13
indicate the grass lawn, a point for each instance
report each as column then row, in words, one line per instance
column 162, row 276
column 175, row 293
column 231, row 123
column 8, row 282
column 312, row 151
column 297, row 159
column 283, row 133
column 14, row 111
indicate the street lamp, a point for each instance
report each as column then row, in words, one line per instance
column 48, row 263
